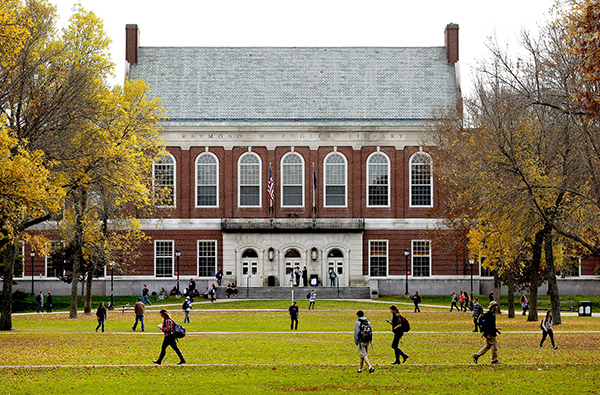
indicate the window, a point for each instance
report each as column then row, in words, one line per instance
column 378, row 258
column 292, row 180
column 335, row 180
column 378, row 170
column 207, row 170
column 57, row 252
column 163, row 176
column 421, row 258
column 207, row 258
column 420, row 180
column 570, row 267
column 249, row 180
column 163, row 258
column 19, row 267
column 487, row 272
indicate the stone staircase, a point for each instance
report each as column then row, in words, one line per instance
column 299, row 292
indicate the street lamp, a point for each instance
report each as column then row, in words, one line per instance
column 178, row 254
column 111, row 265
column 32, row 254
column 406, row 254
column 471, row 262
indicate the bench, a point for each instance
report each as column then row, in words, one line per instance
column 564, row 305
column 126, row 307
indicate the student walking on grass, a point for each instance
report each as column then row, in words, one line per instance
column 363, row 335
column 101, row 315
column 294, row 315
column 168, row 328
column 489, row 330
column 453, row 302
column 399, row 326
column 139, row 309
column 546, row 327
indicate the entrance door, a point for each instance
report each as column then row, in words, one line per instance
column 335, row 262
column 251, row 275
column 291, row 260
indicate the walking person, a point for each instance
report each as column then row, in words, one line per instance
column 546, row 327
column 101, row 315
column 311, row 299
column 398, row 328
column 305, row 277
column 491, row 296
column 490, row 331
column 49, row 303
column 212, row 292
column 294, row 311
column 140, row 310
column 477, row 311
column 168, row 328
column 363, row 335
column 187, row 306
column 416, row 300
column 145, row 293
column 40, row 301
column 524, row 304
column 462, row 301
column 453, row 303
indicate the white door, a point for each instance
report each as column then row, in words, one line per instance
column 290, row 265
column 336, row 262
column 251, row 276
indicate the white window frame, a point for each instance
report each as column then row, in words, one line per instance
column 387, row 257
column 211, row 275
column 410, row 179
column 389, row 197
column 165, row 256
column 302, row 185
column 174, row 181
column 325, row 185
column 22, row 244
column 239, row 189
column 216, row 179
column 412, row 257
column 52, row 244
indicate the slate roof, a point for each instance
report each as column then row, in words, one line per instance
column 265, row 86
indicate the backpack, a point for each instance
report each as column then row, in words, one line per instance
column 308, row 295
column 38, row 298
column 365, row 332
column 184, row 306
column 179, row 331
column 483, row 322
column 405, row 325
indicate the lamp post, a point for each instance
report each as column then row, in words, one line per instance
column 406, row 254
column 111, row 265
column 471, row 262
column 178, row 254
column 32, row 254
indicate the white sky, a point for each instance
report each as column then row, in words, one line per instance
column 315, row 23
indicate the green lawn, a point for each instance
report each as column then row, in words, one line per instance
column 246, row 347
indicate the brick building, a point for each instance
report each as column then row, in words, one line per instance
column 299, row 157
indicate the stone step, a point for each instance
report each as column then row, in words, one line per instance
column 299, row 292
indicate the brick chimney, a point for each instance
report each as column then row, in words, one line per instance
column 451, row 41
column 132, row 43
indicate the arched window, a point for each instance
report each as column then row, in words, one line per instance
column 163, row 179
column 292, row 180
column 335, row 180
column 207, row 185
column 250, row 253
column 421, row 183
column 249, row 180
column 378, row 175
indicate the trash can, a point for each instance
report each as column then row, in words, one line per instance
column 314, row 279
column 271, row 281
column 585, row 308
column 374, row 293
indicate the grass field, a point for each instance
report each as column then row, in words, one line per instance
column 246, row 347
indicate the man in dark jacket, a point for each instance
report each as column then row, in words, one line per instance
column 477, row 311
column 294, row 315
column 489, row 332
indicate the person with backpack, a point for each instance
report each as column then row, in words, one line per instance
column 294, row 311
column 462, row 301
column 453, row 302
column 416, row 300
column 170, row 338
column 186, row 307
column 546, row 327
column 140, row 310
column 487, row 324
column 363, row 336
column 477, row 311
column 399, row 327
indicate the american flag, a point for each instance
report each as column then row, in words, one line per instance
column 271, row 187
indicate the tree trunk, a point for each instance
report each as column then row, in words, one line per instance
column 79, row 205
column 7, row 289
column 511, row 296
column 552, row 286
column 535, row 275
column 87, row 309
column 497, row 290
